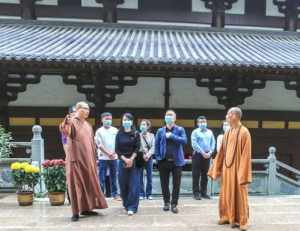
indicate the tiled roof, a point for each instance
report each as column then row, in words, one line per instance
column 147, row 45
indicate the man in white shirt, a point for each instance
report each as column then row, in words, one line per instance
column 105, row 138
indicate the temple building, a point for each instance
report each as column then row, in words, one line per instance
column 198, row 57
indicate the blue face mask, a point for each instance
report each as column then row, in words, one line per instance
column 107, row 123
column 127, row 124
column 169, row 119
column 143, row 128
column 202, row 126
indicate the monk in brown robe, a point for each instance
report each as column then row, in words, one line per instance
column 233, row 165
column 81, row 170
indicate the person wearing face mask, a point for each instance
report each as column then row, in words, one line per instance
column 203, row 144
column 147, row 148
column 127, row 147
column 169, row 142
column 105, row 138
column 225, row 128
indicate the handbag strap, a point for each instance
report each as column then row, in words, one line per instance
column 146, row 142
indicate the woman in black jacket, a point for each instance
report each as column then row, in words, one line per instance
column 127, row 147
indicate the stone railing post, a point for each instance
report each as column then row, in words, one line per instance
column 272, row 170
column 37, row 153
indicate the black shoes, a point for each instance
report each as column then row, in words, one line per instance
column 197, row 197
column 166, row 207
column 174, row 209
column 75, row 218
column 89, row 213
column 205, row 196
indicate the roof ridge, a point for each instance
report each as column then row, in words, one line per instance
column 144, row 27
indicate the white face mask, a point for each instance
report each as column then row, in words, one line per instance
column 226, row 128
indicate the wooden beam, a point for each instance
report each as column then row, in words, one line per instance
column 69, row 3
column 255, row 8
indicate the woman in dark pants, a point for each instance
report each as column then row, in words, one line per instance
column 147, row 149
column 127, row 147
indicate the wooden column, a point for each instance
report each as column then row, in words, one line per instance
column 291, row 10
column 167, row 93
column 218, row 14
column 110, row 13
column 4, row 117
column 99, row 101
column 28, row 9
column 218, row 8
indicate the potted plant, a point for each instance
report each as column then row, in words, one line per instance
column 5, row 146
column 25, row 177
column 54, row 175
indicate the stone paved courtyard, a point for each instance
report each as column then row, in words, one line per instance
column 267, row 213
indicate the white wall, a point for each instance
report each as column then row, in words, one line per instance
column 51, row 91
column 47, row 2
column 237, row 8
column 10, row 1
column 147, row 93
column 272, row 10
column 186, row 94
column 273, row 97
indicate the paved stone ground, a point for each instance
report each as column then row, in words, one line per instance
column 267, row 213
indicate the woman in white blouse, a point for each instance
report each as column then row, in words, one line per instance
column 225, row 127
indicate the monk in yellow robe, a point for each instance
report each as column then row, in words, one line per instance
column 81, row 168
column 233, row 165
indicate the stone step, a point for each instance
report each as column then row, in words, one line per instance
column 266, row 213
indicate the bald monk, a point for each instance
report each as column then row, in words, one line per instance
column 81, row 170
column 233, row 165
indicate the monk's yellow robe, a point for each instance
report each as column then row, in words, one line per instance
column 233, row 165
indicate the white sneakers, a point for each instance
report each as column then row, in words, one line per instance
column 130, row 213
column 148, row 198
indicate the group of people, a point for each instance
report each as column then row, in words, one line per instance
column 127, row 152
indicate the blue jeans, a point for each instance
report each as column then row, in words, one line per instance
column 149, row 168
column 129, row 181
column 103, row 166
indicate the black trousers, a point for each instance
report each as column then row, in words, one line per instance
column 165, row 169
column 200, row 167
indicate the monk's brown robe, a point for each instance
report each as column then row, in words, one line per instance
column 81, row 168
column 233, row 165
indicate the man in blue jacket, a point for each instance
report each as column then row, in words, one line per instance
column 169, row 142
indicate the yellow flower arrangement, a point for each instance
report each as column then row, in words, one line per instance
column 31, row 169
column 15, row 166
column 25, row 175
column 24, row 166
